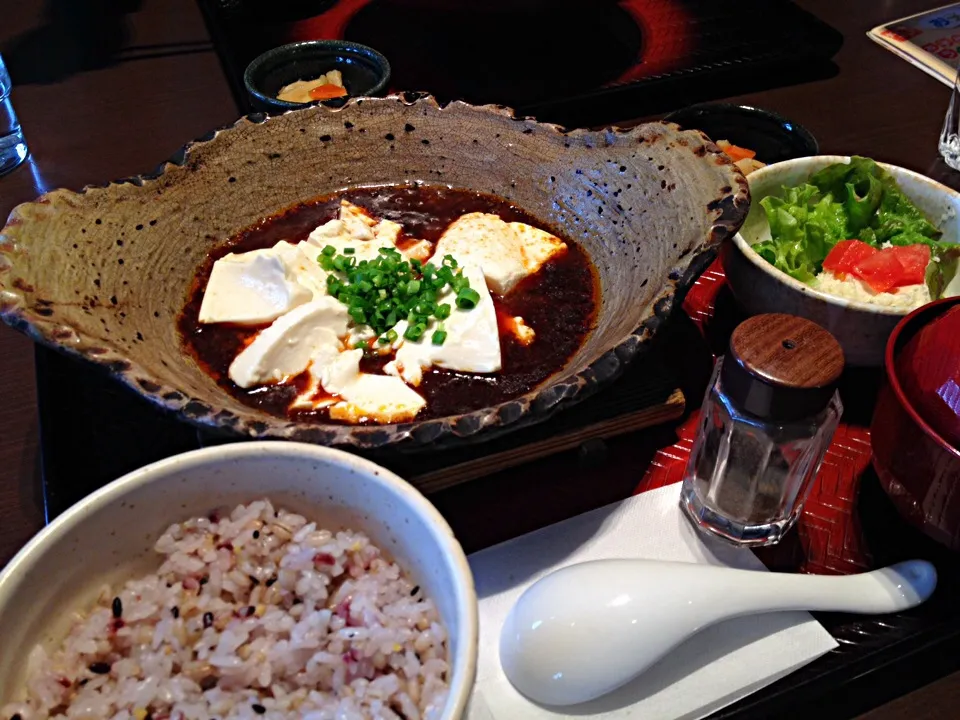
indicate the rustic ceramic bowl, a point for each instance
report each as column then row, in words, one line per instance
column 862, row 329
column 108, row 537
column 918, row 468
column 102, row 274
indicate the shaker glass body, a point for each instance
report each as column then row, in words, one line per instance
column 747, row 478
column 13, row 148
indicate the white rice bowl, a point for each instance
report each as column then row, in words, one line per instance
column 249, row 612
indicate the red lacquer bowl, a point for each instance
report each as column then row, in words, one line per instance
column 928, row 368
column 917, row 467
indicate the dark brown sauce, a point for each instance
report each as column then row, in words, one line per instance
column 559, row 302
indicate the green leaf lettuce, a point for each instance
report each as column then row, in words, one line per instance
column 855, row 200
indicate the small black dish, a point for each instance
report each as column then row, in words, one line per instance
column 365, row 71
column 771, row 136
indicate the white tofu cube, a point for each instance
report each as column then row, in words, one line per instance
column 251, row 289
column 284, row 349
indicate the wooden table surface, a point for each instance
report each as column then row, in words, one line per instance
column 87, row 120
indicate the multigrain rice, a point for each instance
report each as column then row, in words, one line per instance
column 254, row 613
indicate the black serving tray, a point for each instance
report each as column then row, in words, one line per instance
column 879, row 658
column 571, row 62
column 93, row 430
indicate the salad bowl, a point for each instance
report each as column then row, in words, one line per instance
column 104, row 274
column 861, row 327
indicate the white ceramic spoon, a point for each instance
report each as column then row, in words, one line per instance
column 583, row 631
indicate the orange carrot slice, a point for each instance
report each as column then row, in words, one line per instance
column 327, row 92
column 735, row 153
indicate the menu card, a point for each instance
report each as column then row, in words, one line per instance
column 929, row 40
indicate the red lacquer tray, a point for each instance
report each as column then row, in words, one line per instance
column 829, row 534
column 848, row 525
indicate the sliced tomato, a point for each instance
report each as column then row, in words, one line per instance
column 914, row 259
column 845, row 256
column 894, row 267
column 881, row 271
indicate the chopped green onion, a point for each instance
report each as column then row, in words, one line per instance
column 439, row 337
column 467, row 298
column 360, row 345
column 414, row 332
column 358, row 315
column 389, row 288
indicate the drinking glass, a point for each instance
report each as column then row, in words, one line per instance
column 949, row 137
column 13, row 148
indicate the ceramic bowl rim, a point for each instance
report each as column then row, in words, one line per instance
column 348, row 46
column 843, row 303
column 458, row 568
column 890, row 370
column 747, row 109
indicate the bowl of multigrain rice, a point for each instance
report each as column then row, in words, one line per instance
column 250, row 580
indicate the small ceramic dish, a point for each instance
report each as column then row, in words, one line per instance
column 917, row 468
column 772, row 137
column 108, row 538
column 861, row 328
column 364, row 71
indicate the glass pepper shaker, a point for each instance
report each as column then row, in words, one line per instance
column 767, row 419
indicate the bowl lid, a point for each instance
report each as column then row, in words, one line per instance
column 781, row 367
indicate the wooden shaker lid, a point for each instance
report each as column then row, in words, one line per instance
column 781, row 367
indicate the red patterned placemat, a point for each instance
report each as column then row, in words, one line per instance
column 828, row 538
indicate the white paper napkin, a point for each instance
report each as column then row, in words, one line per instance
column 712, row 670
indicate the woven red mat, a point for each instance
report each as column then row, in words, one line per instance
column 828, row 538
